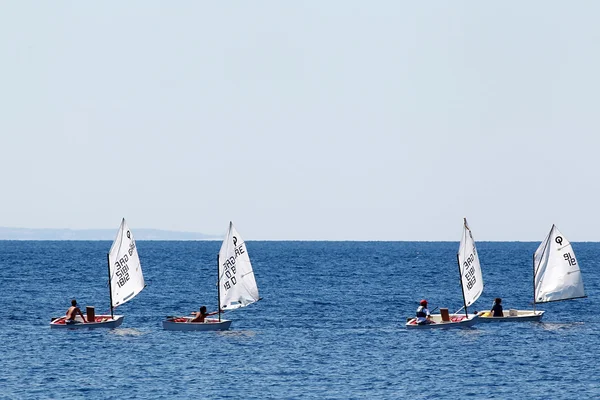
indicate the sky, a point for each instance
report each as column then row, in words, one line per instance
column 312, row 120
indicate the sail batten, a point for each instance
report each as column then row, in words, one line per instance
column 125, row 271
column 556, row 273
column 570, row 298
column 237, row 285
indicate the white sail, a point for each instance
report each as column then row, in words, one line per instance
column 237, row 286
column 556, row 270
column 470, row 269
column 125, row 270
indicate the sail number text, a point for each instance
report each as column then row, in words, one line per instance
column 121, row 267
column 571, row 260
column 470, row 271
column 229, row 268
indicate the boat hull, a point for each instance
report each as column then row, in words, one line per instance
column 101, row 321
column 456, row 321
column 184, row 324
column 512, row 316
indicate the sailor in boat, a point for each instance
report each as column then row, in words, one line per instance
column 200, row 316
column 423, row 315
column 496, row 310
column 72, row 313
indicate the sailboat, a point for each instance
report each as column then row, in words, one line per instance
column 471, row 281
column 235, row 282
column 125, row 281
column 556, row 277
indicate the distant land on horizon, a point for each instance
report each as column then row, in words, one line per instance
column 97, row 234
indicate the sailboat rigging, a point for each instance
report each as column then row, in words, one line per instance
column 236, row 285
column 125, row 281
column 556, row 277
column 471, row 283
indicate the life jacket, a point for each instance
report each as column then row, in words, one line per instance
column 421, row 313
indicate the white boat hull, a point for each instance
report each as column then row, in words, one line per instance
column 456, row 321
column 184, row 324
column 512, row 316
column 101, row 321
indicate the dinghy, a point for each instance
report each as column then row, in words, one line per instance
column 125, row 281
column 451, row 321
column 511, row 316
column 235, row 282
column 471, row 281
column 556, row 277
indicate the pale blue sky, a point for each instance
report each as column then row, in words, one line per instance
column 333, row 120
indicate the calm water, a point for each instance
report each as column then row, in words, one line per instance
column 331, row 325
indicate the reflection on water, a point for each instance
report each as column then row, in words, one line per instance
column 556, row 326
column 127, row 332
column 240, row 334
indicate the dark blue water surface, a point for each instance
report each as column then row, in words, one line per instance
column 330, row 325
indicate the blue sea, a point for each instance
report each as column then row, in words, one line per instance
column 330, row 325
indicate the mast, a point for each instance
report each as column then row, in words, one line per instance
column 547, row 240
column 109, row 286
column 534, row 282
column 218, row 289
column 461, row 285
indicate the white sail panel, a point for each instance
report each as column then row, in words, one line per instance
column 470, row 269
column 126, row 278
column 237, row 286
column 556, row 270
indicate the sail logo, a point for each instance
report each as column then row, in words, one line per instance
column 122, row 271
